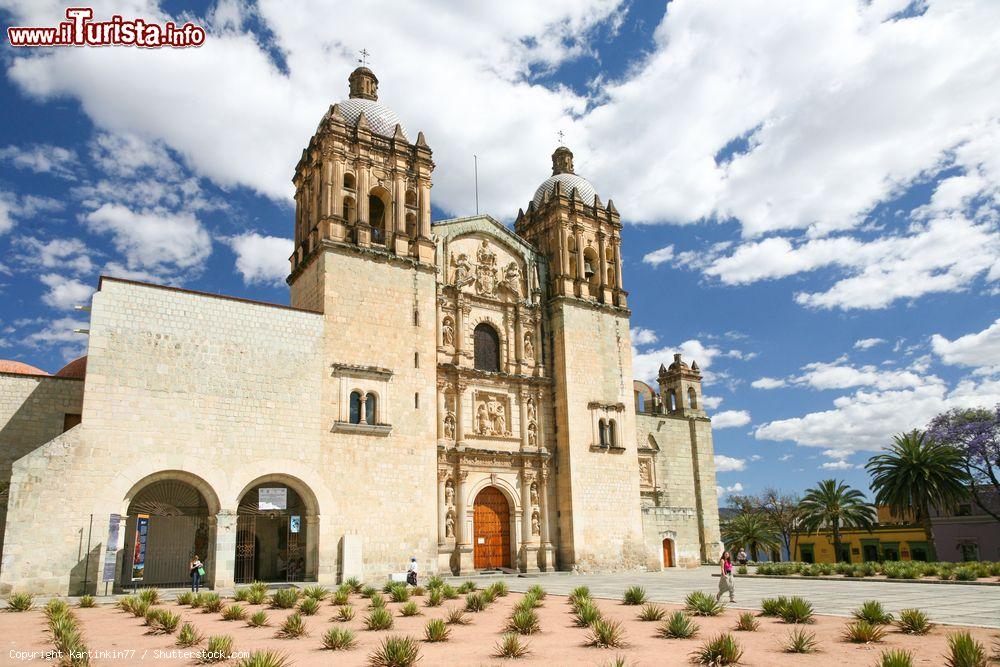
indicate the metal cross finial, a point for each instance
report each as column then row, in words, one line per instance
column 364, row 57
column 561, row 135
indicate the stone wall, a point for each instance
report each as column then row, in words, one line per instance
column 597, row 489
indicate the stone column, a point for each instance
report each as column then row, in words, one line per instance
column 463, row 536
column 442, row 506
column 224, row 561
column 526, row 479
column 518, row 336
column 564, row 251
column 459, row 323
column 312, row 547
column 399, row 199
column 425, row 210
column 522, row 395
column 579, row 256
column 362, row 182
column 602, row 248
column 618, row 263
column 442, row 410
column 336, row 189
column 459, row 420
column 548, row 557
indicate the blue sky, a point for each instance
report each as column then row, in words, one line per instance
column 811, row 193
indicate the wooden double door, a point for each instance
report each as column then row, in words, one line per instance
column 491, row 530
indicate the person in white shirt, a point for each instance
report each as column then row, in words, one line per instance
column 411, row 572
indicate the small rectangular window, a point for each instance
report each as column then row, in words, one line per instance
column 416, row 360
column 416, row 318
column 416, row 400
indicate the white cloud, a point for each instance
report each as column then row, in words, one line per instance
column 840, row 375
column 785, row 457
column 981, row 349
column 660, row 256
column 261, row 259
column 711, row 402
column 756, row 457
column 767, row 383
column 867, row 343
column 64, row 254
column 730, row 419
column 641, row 336
column 645, row 365
column 162, row 243
column 735, row 488
column 23, row 207
column 41, row 159
column 838, row 465
column 838, row 453
column 60, row 332
column 725, row 463
column 65, row 293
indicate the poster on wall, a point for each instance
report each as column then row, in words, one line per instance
column 111, row 548
column 294, row 523
column 139, row 553
column 272, row 498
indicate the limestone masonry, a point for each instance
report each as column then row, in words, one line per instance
column 456, row 391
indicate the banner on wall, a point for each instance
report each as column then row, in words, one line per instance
column 111, row 548
column 139, row 553
column 272, row 498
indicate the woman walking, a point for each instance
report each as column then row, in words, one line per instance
column 197, row 571
column 726, row 580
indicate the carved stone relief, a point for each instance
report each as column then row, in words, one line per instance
column 529, row 347
column 448, row 332
column 492, row 414
column 449, row 425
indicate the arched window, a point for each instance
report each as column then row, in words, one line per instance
column 355, row 417
column 376, row 218
column 673, row 400
column 349, row 181
column 602, row 428
column 411, row 225
column 371, row 409
column 612, row 433
column 486, row 344
column 349, row 209
column 411, row 198
column 692, row 398
column 591, row 268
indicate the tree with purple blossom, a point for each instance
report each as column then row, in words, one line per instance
column 976, row 432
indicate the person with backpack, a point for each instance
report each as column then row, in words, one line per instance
column 411, row 572
column 197, row 571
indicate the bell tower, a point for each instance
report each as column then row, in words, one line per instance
column 597, row 478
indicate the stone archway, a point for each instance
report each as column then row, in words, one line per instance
column 276, row 531
column 491, row 530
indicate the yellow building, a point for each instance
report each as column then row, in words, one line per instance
column 891, row 538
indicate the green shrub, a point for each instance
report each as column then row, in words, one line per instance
column 418, row 591
column 55, row 607
column 449, row 592
column 150, row 596
column 368, row 591
column 467, row 587
column 678, row 626
column 606, row 634
column 241, row 594
column 345, row 613
column 500, row 589
column 339, row 639
column 211, row 603
column 395, row 652
column 309, row 606
column 86, row 602
column 537, row 591
column 825, row 569
column 964, row 651
column 873, row 612
column 966, row 574
column 185, row 598
column 256, row 595
column 580, row 592
column 376, row 600
column 435, row 582
column 341, row 597
column 436, row 631
column 586, row 614
column 742, row 569
column 523, row 622
column 189, row 636
column 166, row 622
column 68, row 640
column 293, row 627
column 265, row 659
column 800, row 641
column 258, row 619
column 747, row 622
column 398, row 592
column 457, row 616
column 811, row 571
column 772, row 606
column 895, row 658
column 914, row 622
column 354, row 583
column 475, row 602
column 511, row 646
column 634, row 595
column 378, row 619
column 316, row 592
column 797, row 610
column 434, row 598
column 529, row 601
column 234, row 612
column 863, row 632
column 652, row 612
column 409, row 609
column 284, row 598
column 722, row 650
column 488, row 595
column 218, row 649
column 702, row 604
column 139, row 608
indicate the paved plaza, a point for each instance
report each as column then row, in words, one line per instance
column 944, row 603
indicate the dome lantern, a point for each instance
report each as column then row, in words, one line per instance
column 364, row 84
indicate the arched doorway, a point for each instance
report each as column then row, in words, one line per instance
column 491, row 530
column 668, row 552
column 167, row 524
column 271, row 534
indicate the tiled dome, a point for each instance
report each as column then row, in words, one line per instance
column 381, row 118
column 10, row 366
column 74, row 369
column 568, row 181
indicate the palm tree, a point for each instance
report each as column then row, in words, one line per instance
column 751, row 530
column 918, row 473
column 837, row 505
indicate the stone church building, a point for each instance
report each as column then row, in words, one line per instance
column 454, row 391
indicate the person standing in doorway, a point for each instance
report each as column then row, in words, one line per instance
column 742, row 556
column 726, row 578
column 411, row 572
column 197, row 572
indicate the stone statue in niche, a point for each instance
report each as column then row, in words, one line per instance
column 447, row 332
column 533, row 493
column 449, row 524
column 484, row 424
column 529, row 348
column 512, row 278
column 463, row 270
column 644, row 472
column 532, row 435
column 449, row 425
column 491, row 416
column 531, row 409
column 535, row 524
column 486, row 270
column 498, row 417
column 449, row 493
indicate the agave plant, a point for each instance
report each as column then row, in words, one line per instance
column 354, row 583
column 702, row 604
column 606, row 634
column 345, row 613
column 378, row 619
column 185, row 598
column 395, row 652
column 436, row 630
column 523, row 622
column 434, row 598
column 895, row 658
column 914, row 622
column 258, row 620
column 341, row 597
column 634, row 595
column 873, row 612
column 678, row 626
column 457, row 616
column 339, row 639
column 800, row 641
column 475, row 602
column 218, row 649
column 284, row 598
column 652, row 612
column 586, row 614
column 772, row 606
column 466, row 587
column 398, row 592
column 863, row 632
column 316, row 592
column 511, row 646
column 211, row 603
column 234, row 612
column 150, row 596
column 537, row 591
column 189, row 636
column 309, row 606
column 747, row 622
column 375, row 600
column 292, row 628
column 409, row 609
column 435, row 582
column 722, row 650
column 86, row 602
column 265, row 659
column 964, row 651
column 797, row 610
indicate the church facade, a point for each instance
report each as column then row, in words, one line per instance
column 456, row 391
